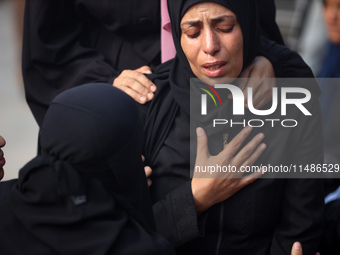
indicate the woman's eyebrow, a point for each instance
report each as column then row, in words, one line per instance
column 223, row 17
column 191, row 23
column 217, row 19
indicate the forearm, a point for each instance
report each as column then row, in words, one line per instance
column 54, row 58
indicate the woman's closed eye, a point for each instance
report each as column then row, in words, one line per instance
column 225, row 30
column 194, row 33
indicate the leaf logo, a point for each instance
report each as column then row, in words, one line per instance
column 210, row 94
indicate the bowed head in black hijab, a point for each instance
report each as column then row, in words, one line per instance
column 87, row 192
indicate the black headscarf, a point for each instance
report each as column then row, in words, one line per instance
column 169, row 99
column 87, row 192
column 181, row 72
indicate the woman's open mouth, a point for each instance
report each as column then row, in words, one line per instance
column 214, row 69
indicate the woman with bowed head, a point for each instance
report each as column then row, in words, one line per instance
column 242, row 215
column 87, row 192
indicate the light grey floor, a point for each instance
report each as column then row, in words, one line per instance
column 17, row 124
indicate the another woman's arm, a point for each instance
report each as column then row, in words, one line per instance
column 54, row 58
column 286, row 63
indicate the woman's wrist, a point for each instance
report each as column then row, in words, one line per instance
column 200, row 197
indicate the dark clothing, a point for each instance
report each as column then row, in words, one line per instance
column 330, row 240
column 87, row 192
column 266, row 217
column 67, row 43
column 330, row 66
column 269, row 27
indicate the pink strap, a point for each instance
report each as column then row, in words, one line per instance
column 168, row 50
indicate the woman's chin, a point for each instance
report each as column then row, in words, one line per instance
column 217, row 80
column 218, row 76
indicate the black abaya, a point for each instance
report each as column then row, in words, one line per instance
column 87, row 192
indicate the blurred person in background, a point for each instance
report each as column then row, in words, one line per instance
column 331, row 64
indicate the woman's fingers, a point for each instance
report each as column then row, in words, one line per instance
column 260, row 76
column 262, row 92
column 217, row 185
column 248, row 150
column 132, row 93
column 230, row 150
column 136, row 84
column 202, row 145
column 144, row 69
column 148, row 172
column 244, row 77
column 296, row 249
column 255, row 155
column 246, row 180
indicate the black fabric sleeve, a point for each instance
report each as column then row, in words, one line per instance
column 5, row 188
column 286, row 63
column 176, row 217
column 54, row 58
column 267, row 16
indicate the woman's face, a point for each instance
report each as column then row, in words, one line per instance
column 331, row 12
column 212, row 41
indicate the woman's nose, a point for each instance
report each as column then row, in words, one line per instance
column 211, row 42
